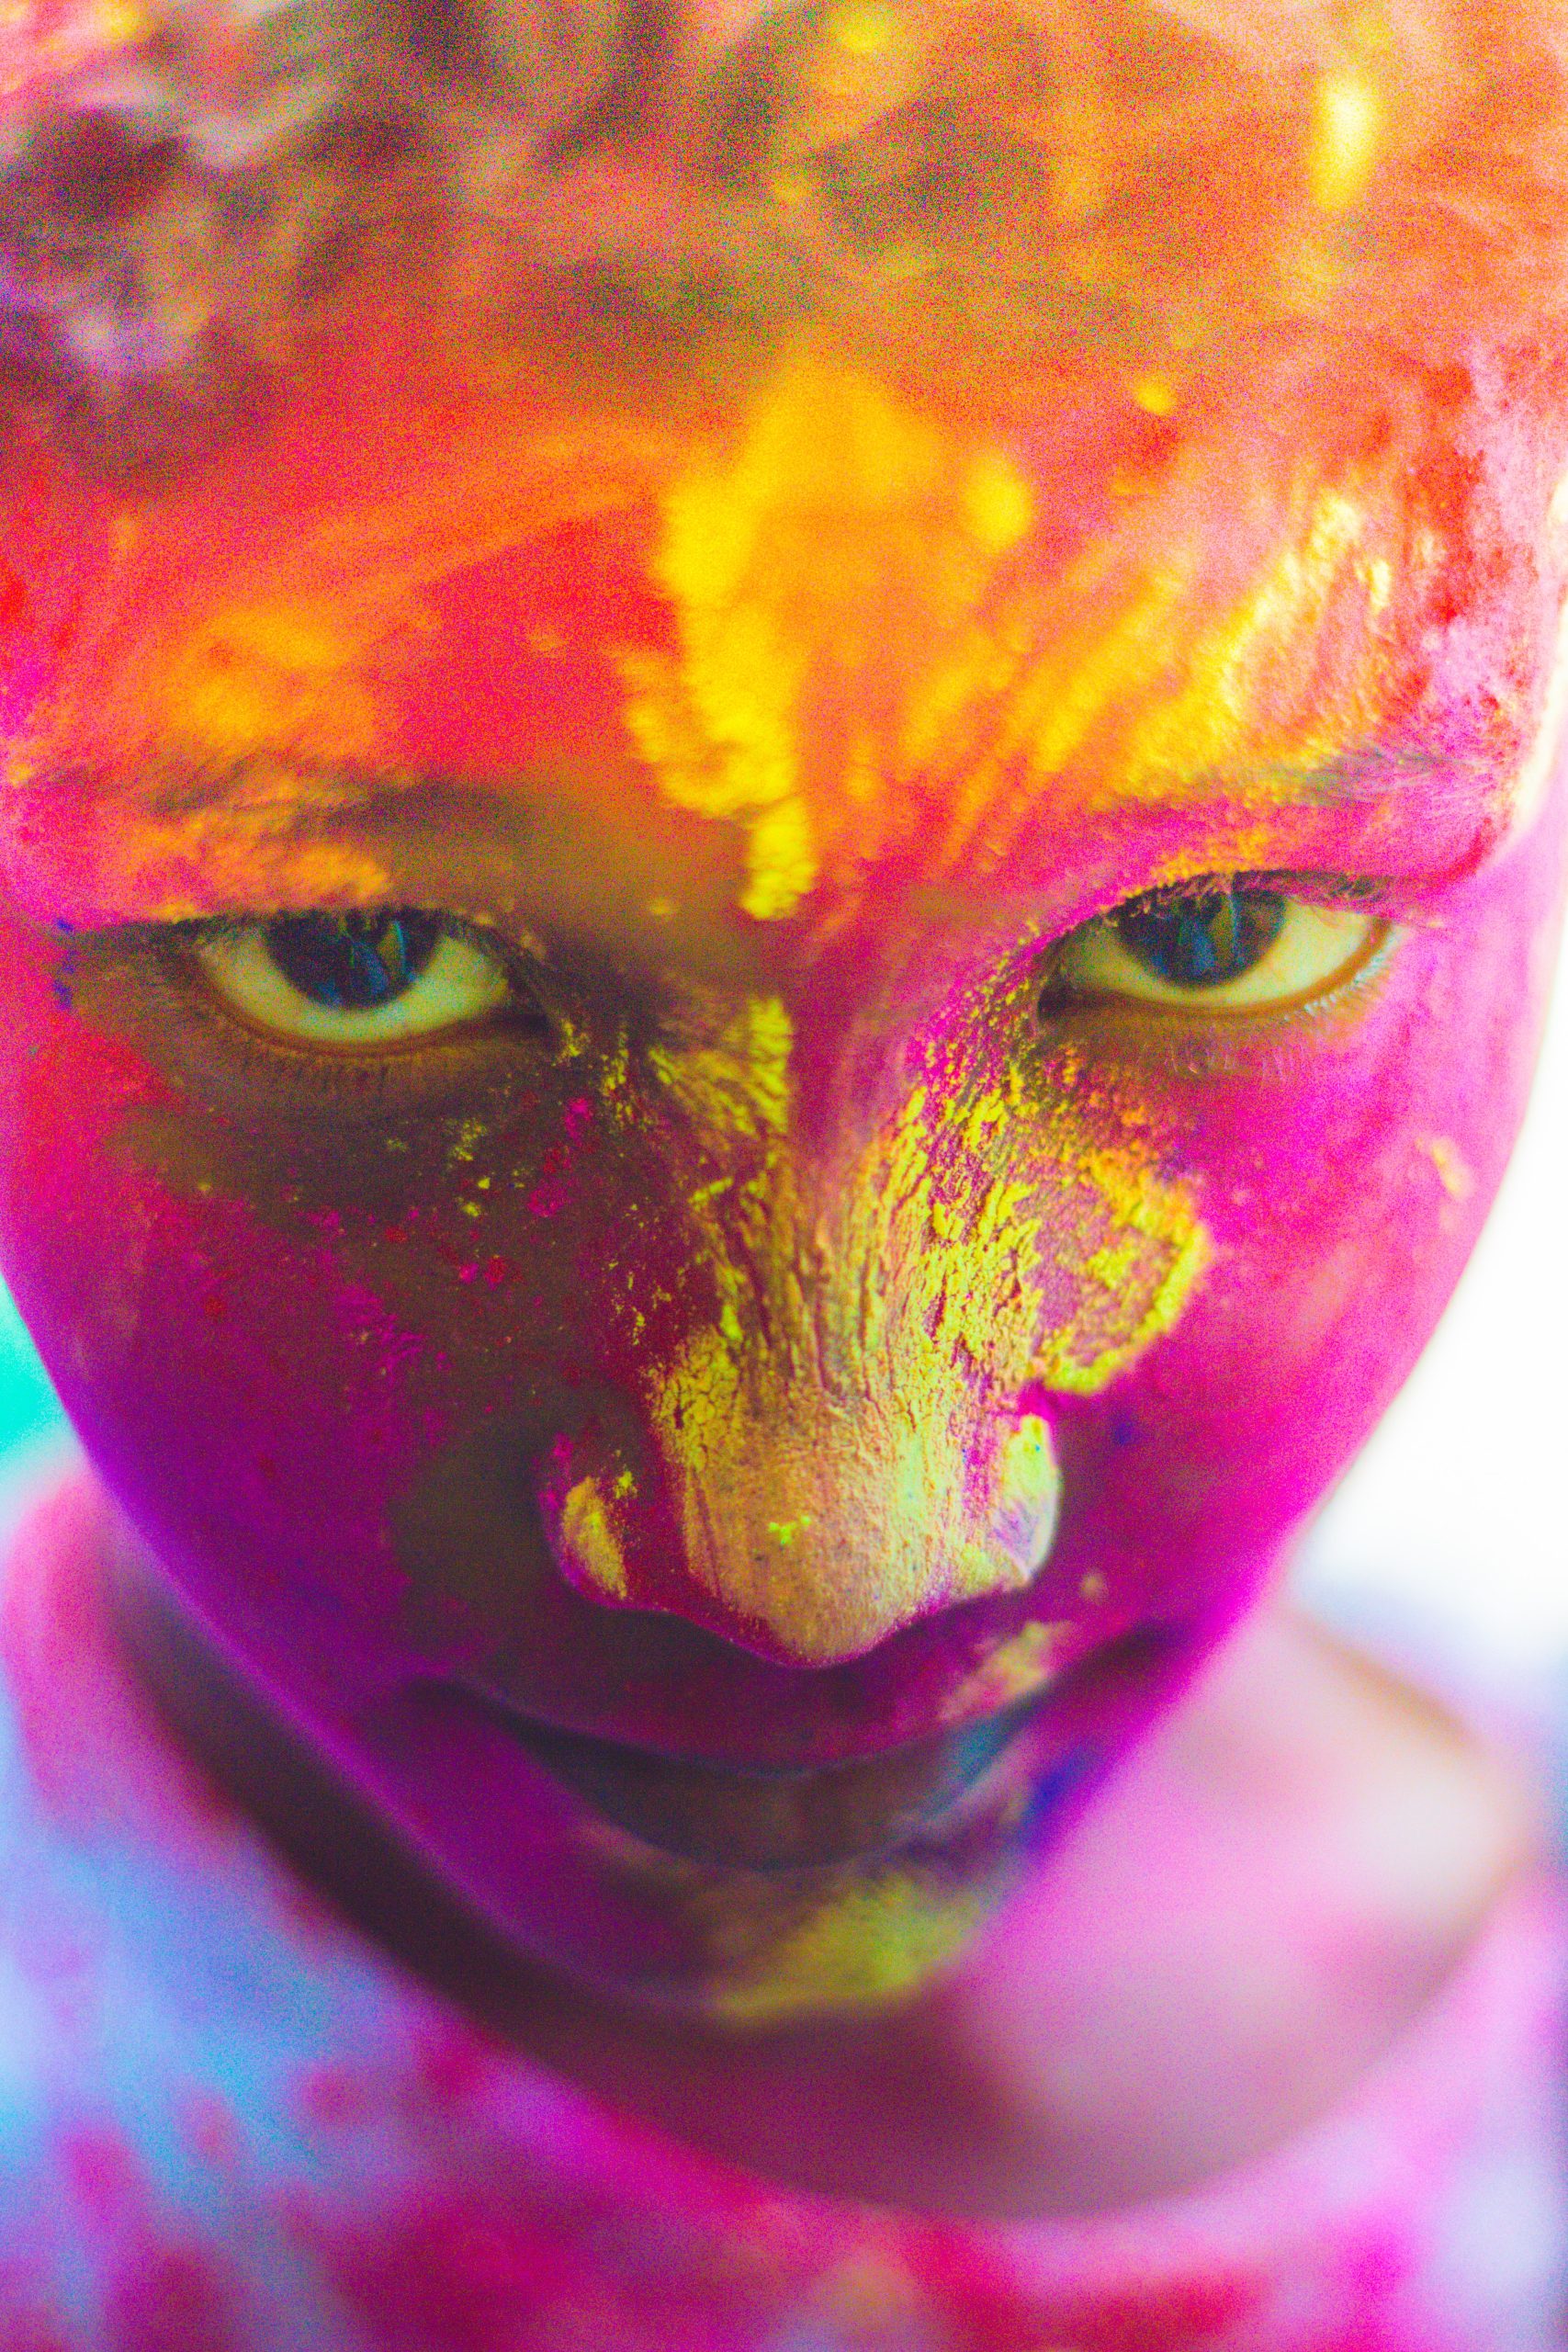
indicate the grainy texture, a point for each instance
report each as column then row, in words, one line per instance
column 180, row 186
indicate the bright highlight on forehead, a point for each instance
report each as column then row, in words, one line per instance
column 846, row 528
column 845, row 621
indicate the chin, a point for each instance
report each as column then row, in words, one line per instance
column 772, row 1900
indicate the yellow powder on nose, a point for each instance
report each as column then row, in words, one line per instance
column 837, row 1428
column 590, row 1541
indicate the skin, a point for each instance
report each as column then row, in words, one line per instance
column 723, row 1456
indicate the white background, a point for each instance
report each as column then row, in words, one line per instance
column 1457, row 1514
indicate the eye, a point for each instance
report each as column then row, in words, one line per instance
column 1214, row 947
column 354, row 980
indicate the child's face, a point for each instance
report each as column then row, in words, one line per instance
column 723, row 1360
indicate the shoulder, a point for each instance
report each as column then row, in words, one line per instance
column 174, row 2007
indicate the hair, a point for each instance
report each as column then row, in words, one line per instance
column 183, row 184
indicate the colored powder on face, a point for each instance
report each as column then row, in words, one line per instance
column 1234, row 671
column 860, row 1947
column 859, row 614
column 286, row 674
column 775, row 1945
column 863, row 634
column 585, row 1527
column 1146, row 674
column 1132, row 1289
column 784, row 564
column 1344, row 138
column 1016, row 1670
column 246, row 660
column 844, row 1429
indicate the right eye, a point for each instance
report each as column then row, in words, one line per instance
column 351, row 982
column 1223, row 945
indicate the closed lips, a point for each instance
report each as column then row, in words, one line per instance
column 760, row 1819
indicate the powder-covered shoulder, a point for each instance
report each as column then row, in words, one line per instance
column 228, row 2123
column 201, row 2072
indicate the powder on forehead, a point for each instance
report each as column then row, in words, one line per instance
column 980, row 183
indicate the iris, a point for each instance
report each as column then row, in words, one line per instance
column 354, row 962
column 1200, row 939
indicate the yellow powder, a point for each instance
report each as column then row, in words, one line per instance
column 841, row 521
column 1016, row 1670
column 865, row 1944
column 839, row 1433
column 588, row 1535
column 1231, row 670
column 282, row 676
column 1344, row 138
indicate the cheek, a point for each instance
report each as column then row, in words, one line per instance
column 1342, row 1183
column 266, row 1352
column 244, row 1393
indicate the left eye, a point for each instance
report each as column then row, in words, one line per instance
column 1217, row 945
column 354, row 980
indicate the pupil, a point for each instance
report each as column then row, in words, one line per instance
column 1204, row 937
column 354, row 962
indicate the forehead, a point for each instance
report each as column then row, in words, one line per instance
column 824, row 628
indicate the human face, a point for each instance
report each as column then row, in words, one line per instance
column 746, row 1378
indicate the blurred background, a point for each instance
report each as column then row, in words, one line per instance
column 1450, row 1536
column 1453, row 1524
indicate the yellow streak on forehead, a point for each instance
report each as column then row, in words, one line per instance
column 863, row 627
column 843, row 518
column 1343, row 138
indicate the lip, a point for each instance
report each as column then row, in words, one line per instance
column 764, row 1818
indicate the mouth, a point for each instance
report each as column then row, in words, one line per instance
column 764, row 1818
column 750, row 1816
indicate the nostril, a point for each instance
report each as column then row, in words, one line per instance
column 583, row 1489
column 813, row 1544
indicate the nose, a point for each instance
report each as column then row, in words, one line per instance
column 833, row 1527
column 846, row 1429
column 804, row 1525
column 843, row 1433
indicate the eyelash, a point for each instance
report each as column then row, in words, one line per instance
column 386, row 1082
column 1197, row 1042
column 377, row 1083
